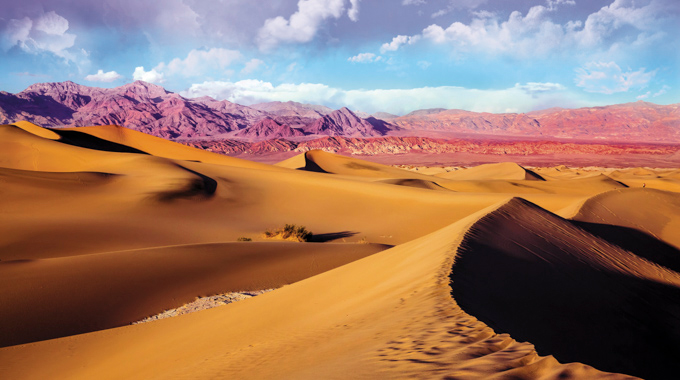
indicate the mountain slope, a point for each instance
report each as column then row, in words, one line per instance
column 152, row 109
column 141, row 106
column 344, row 122
column 268, row 128
column 639, row 121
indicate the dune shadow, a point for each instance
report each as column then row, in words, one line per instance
column 312, row 166
column 532, row 175
column 322, row 238
column 636, row 241
column 200, row 188
column 559, row 288
column 84, row 140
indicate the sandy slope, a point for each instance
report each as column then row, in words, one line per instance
column 504, row 170
column 112, row 289
column 103, row 226
column 389, row 315
column 651, row 211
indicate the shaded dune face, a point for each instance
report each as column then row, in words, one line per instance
column 542, row 279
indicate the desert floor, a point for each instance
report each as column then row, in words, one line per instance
column 492, row 271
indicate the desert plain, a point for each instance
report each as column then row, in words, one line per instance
column 491, row 271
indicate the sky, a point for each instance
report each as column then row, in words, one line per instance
column 393, row 56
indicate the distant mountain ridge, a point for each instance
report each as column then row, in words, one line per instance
column 151, row 109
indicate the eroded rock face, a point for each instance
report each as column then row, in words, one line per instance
column 268, row 128
column 639, row 121
column 344, row 122
column 141, row 106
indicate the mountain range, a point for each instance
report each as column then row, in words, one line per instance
column 151, row 109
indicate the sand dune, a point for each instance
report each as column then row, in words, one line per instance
column 324, row 162
column 295, row 162
column 389, row 314
column 504, row 170
column 103, row 226
column 651, row 211
column 569, row 292
column 135, row 284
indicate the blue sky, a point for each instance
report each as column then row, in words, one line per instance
column 394, row 56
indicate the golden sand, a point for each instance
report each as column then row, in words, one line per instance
column 464, row 272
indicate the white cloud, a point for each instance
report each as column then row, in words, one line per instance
column 397, row 42
column 364, row 58
column 16, row 32
column 552, row 4
column 151, row 76
column 397, row 101
column 608, row 78
column 198, row 62
column 537, row 34
column 413, row 2
column 617, row 15
column 536, row 88
column 663, row 90
column 353, row 12
column 302, row 25
column 643, row 96
column 45, row 33
column 102, row 76
column 251, row 66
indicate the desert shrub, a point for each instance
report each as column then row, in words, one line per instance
column 244, row 239
column 290, row 232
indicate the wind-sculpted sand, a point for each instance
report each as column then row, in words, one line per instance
column 495, row 271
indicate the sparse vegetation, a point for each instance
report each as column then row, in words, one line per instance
column 244, row 239
column 290, row 232
column 363, row 240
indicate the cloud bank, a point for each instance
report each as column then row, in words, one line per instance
column 521, row 97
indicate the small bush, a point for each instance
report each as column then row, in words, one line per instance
column 244, row 239
column 290, row 232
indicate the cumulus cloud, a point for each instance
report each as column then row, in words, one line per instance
column 619, row 14
column 303, row 25
column 251, row 66
column 198, row 62
column 46, row 33
column 353, row 12
column 102, row 76
column 536, row 33
column 364, row 58
column 397, row 42
column 609, row 78
column 151, row 76
column 397, row 101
